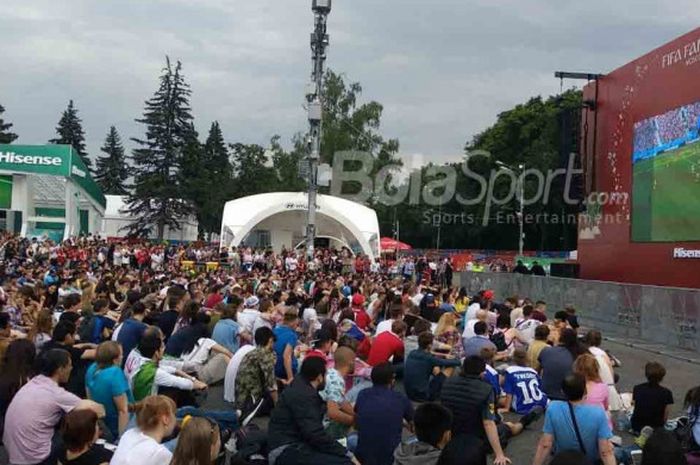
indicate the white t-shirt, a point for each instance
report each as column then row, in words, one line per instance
column 135, row 448
column 472, row 311
column 469, row 329
column 291, row 263
column 526, row 329
column 417, row 298
column 515, row 315
column 232, row 371
column 200, row 354
column 383, row 327
column 247, row 318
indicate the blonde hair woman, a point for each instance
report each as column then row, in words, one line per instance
column 198, row 443
column 446, row 333
column 155, row 420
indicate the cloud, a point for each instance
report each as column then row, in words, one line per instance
column 443, row 69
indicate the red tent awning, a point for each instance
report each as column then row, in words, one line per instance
column 392, row 245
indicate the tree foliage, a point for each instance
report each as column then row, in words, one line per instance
column 6, row 137
column 112, row 170
column 70, row 132
column 156, row 198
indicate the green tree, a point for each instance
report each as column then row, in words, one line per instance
column 286, row 164
column 253, row 170
column 70, row 132
column 112, row 170
column 350, row 125
column 6, row 137
column 156, row 199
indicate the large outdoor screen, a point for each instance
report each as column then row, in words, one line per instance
column 666, row 177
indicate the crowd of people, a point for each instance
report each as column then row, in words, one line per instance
column 110, row 352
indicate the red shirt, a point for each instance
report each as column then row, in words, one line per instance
column 384, row 346
column 362, row 319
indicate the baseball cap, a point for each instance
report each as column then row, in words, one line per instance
column 252, row 302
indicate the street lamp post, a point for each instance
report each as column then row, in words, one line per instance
column 521, row 200
column 314, row 97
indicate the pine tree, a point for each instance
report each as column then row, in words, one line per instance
column 70, row 132
column 219, row 172
column 112, row 171
column 5, row 136
column 156, row 199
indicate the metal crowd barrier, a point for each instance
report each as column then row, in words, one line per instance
column 657, row 315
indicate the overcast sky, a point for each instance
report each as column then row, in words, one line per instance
column 443, row 69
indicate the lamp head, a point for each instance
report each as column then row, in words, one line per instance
column 321, row 6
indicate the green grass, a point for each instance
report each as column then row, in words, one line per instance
column 666, row 196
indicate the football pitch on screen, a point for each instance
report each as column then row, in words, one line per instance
column 666, row 196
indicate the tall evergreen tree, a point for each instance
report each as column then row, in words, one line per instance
column 70, row 132
column 6, row 137
column 156, row 199
column 112, row 170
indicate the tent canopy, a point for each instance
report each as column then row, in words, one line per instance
column 390, row 245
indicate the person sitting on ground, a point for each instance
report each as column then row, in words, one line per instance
column 479, row 341
column 395, row 314
column 540, row 312
column 605, row 367
column 340, row 415
column 596, row 391
column 147, row 376
column 523, row 386
column 380, row 414
column 446, row 333
column 536, row 346
column 227, row 331
column 198, row 443
column 37, row 409
column 285, row 345
column 107, row 385
column 432, row 423
column 80, row 433
column 202, row 354
column 557, row 362
column 424, row 373
column 652, row 401
column 473, row 406
column 64, row 337
column 255, row 380
column 100, row 326
column 322, row 345
column 17, row 369
column 572, row 425
column 559, row 323
column 132, row 329
column 526, row 325
column 295, row 433
column 662, row 447
column 411, row 341
column 388, row 346
column 155, row 421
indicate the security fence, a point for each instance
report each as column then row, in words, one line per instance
column 658, row 315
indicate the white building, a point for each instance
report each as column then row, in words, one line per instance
column 116, row 219
column 278, row 220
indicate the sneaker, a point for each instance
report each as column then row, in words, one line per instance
column 532, row 416
column 250, row 411
column 644, row 434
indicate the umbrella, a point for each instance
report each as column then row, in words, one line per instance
column 392, row 245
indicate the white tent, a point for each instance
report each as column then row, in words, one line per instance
column 116, row 218
column 278, row 220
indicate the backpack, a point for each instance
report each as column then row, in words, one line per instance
column 499, row 340
column 684, row 434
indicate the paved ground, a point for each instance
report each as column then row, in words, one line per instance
column 682, row 375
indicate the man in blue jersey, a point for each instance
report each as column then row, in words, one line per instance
column 522, row 386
